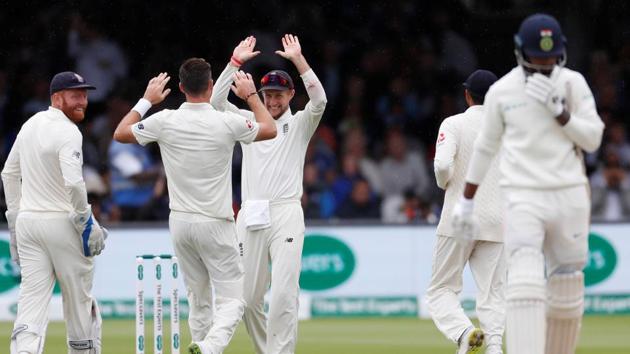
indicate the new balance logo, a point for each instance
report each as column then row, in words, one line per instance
column 289, row 239
column 285, row 128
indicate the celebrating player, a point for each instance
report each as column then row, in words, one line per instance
column 270, row 224
column 53, row 232
column 485, row 255
column 196, row 143
column 544, row 115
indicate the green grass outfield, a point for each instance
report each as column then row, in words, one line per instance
column 600, row 335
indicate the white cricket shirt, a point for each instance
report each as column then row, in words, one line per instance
column 273, row 169
column 196, row 142
column 454, row 147
column 537, row 152
column 47, row 157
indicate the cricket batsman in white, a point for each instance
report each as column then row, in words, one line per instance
column 270, row 224
column 484, row 253
column 53, row 233
column 544, row 116
column 196, row 142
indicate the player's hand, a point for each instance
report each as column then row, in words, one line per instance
column 292, row 49
column 155, row 92
column 92, row 234
column 463, row 224
column 542, row 89
column 244, row 51
column 243, row 86
column 11, row 218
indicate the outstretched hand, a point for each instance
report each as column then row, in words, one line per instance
column 155, row 92
column 292, row 48
column 244, row 51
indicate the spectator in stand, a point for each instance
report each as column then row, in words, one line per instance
column 355, row 144
column 320, row 201
column 343, row 183
column 402, row 169
column 133, row 180
column 361, row 205
column 407, row 208
column 610, row 189
column 98, row 58
column 618, row 141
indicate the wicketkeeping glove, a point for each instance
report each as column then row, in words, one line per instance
column 92, row 234
column 11, row 218
column 543, row 90
column 463, row 224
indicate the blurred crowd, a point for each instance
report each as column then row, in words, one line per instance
column 392, row 72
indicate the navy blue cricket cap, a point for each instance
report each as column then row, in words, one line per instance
column 276, row 80
column 479, row 82
column 68, row 80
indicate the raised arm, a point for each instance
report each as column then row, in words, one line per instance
column 293, row 52
column 154, row 94
column 243, row 52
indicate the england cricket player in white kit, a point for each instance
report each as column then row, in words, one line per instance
column 53, row 232
column 196, row 143
column 544, row 116
column 270, row 224
column 484, row 255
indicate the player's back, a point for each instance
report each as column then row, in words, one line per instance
column 197, row 144
column 465, row 128
column 537, row 152
column 40, row 140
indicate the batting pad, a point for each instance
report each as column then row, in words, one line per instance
column 565, row 305
column 28, row 338
column 525, row 295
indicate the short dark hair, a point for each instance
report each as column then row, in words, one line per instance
column 194, row 75
column 476, row 98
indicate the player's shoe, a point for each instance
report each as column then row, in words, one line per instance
column 199, row 348
column 471, row 341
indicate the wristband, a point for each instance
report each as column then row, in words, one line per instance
column 236, row 61
column 142, row 107
column 250, row 95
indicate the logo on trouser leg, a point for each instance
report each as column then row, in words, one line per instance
column 240, row 248
column 289, row 239
column 81, row 344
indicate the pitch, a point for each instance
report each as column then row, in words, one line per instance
column 600, row 335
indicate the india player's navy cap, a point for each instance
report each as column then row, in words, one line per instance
column 276, row 80
column 479, row 82
column 68, row 80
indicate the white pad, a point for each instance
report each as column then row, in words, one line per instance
column 565, row 306
column 525, row 295
column 93, row 344
column 31, row 338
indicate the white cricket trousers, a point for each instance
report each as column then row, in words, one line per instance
column 50, row 248
column 487, row 264
column 209, row 258
column 281, row 246
column 546, row 240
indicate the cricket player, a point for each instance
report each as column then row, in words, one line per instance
column 544, row 116
column 53, row 232
column 270, row 224
column 196, row 143
column 484, row 253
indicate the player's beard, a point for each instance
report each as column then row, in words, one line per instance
column 277, row 112
column 76, row 112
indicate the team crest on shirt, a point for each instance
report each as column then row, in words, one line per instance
column 249, row 123
column 441, row 138
column 140, row 126
column 76, row 155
